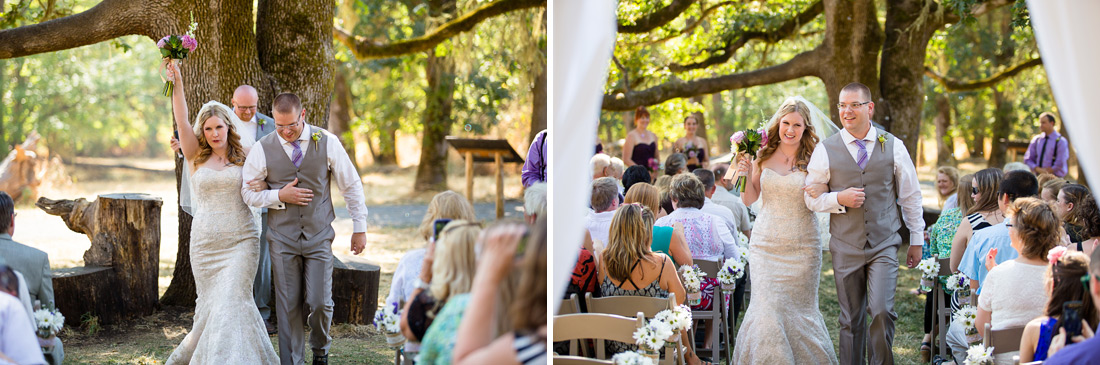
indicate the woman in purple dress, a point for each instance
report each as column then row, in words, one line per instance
column 640, row 147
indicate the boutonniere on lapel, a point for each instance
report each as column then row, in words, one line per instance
column 260, row 122
column 316, row 136
column 882, row 141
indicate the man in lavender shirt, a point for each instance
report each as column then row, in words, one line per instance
column 1048, row 151
column 534, row 169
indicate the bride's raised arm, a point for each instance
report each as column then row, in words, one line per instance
column 189, row 143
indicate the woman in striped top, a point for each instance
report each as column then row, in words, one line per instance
column 983, row 214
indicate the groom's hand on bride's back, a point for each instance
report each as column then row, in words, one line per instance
column 851, row 197
column 291, row 194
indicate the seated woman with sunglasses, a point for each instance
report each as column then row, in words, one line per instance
column 983, row 214
column 448, row 270
column 1064, row 284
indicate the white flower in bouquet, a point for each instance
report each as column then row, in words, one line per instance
column 744, row 256
column 958, row 281
column 979, row 355
column 648, row 336
column 968, row 314
column 388, row 319
column 732, row 269
column 678, row 318
column 631, row 358
column 48, row 323
column 929, row 267
column 692, row 277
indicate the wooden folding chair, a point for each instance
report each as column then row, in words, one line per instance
column 1002, row 340
column 625, row 305
column 716, row 312
column 941, row 312
column 569, row 306
column 598, row 326
column 577, row 360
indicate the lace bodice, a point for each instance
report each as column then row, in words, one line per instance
column 782, row 196
column 217, row 200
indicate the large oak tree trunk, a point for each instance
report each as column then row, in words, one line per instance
column 340, row 114
column 538, row 106
column 850, row 49
column 431, row 173
column 910, row 24
column 294, row 41
column 945, row 145
column 1002, row 128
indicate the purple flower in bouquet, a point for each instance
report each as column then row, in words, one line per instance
column 161, row 42
column 736, row 138
column 763, row 137
column 691, row 153
column 189, row 42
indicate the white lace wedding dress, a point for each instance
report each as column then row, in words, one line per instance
column 783, row 324
column 225, row 238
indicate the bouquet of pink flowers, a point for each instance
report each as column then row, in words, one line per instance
column 176, row 47
column 746, row 142
column 654, row 165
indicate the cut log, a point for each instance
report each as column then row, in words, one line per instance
column 354, row 290
column 120, row 280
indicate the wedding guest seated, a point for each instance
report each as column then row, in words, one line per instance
column 33, row 263
column 1079, row 349
column 667, row 240
column 947, row 184
column 940, row 235
column 1045, row 178
column 1048, row 190
column 601, row 166
column 604, row 200
column 675, row 164
column 707, row 235
column 982, row 215
column 628, row 267
column 1014, row 291
column 663, row 183
column 18, row 343
column 1077, row 208
column 534, row 202
column 1016, row 184
column 1016, row 166
column 1063, row 284
column 525, row 343
column 448, row 271
column 616, row 168
column 635, row 174
column 709, row 206
column 445, row 205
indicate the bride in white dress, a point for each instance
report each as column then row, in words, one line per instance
column 225, row 238
column 783, row 324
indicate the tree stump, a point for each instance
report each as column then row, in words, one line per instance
column 354, row 290
column 119, row 280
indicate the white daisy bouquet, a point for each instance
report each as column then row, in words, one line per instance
column 388, row 320
column 744, row 254
column 960, row 285
column 652, row 337
column 631, row 358
column 732, row 270
column 929, row 267
column 48, row 323
column 968, row 315
column 979, row 355
column 692, row 277
column 678, row 318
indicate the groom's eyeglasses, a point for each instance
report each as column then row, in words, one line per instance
column 288, row 126
column 852, row 106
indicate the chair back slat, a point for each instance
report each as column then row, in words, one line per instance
column 569, row 306
column 1002, row 340
column 628, row 305
column 708, row 266
column 577, row 360
column 597, row 326
column 945, row 266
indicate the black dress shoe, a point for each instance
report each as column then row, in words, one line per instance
column 320, row 359
column 271, row 330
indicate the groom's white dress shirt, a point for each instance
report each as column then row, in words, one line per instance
column 905, row 175
column 343, row 173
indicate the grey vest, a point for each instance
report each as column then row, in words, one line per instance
column 296, row 220
column 878, row 220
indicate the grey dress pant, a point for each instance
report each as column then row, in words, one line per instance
column 866, row 279
column 261, row 286
column 303, row 289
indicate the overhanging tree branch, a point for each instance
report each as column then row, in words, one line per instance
column 690, row 27
column 736, row 41
column 107, row 20
column 976, row 10
column 657, row 18
column 804, row 64
column 365, row 49
column 960, row 85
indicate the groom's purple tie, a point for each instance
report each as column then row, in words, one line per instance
column 861, row 156
column 296, row 156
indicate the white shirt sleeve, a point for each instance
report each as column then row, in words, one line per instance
column 255, row 166
column 17, row 338
column 348, row 181
column 818, row 173
column 909, row 197
column 729, row 241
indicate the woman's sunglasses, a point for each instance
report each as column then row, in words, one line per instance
column 973, row 190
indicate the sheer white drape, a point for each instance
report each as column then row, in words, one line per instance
column 1066, row 33
column 583, row 36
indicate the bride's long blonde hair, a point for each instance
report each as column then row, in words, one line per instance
column 235, row 152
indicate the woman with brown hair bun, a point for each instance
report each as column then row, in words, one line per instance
column 1077, row 207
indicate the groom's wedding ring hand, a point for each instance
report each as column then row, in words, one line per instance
column 851, row 197
column 815, row 190
column 295, row 195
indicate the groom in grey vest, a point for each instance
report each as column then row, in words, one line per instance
column 298, row 162
column 869, row 174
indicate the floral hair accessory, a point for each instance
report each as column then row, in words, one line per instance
column 1055, row 254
